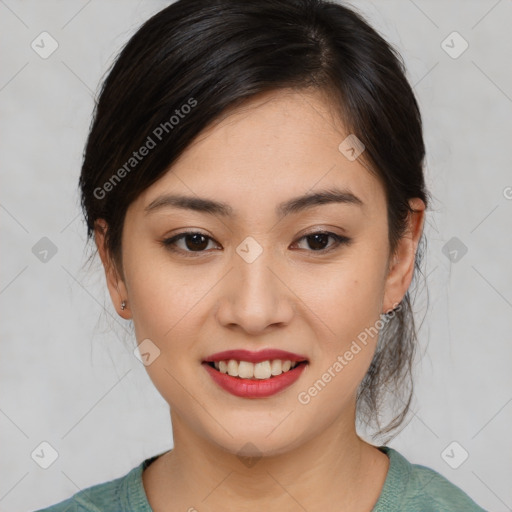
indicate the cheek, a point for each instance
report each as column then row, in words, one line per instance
column 347, row 298
column 167, row 304
column 162, row 295
column 347, row 304
column 163, row 302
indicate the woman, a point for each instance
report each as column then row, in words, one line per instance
column 253, row 182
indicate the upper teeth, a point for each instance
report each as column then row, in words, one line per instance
column 247, row 370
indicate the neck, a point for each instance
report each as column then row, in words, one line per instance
column 335, row 466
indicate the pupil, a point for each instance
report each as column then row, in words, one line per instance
column 199, row 242
column 323, row 241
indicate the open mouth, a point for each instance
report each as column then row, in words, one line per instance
column 255, row 371
column 269, row 372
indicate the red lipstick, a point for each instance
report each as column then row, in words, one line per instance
column 255, row 388
column 254, row 357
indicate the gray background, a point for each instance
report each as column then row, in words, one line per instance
column 69, row 376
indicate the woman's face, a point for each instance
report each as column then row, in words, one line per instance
column 256, row 281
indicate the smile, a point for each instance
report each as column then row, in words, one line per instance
column 247, row 370
column 259, row 374
column 247, row 387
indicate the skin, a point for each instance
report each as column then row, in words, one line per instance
column 309, row 457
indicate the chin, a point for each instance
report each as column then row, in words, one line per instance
column 256, row 443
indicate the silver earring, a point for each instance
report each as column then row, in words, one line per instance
column 123, row 305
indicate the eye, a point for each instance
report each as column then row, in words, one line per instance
column 319, row 241
column 190, row 241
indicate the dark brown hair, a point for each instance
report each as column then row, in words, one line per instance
column 197, row 59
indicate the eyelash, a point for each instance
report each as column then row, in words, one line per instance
column 169, row 243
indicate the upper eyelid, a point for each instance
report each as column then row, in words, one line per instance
column 313, row 231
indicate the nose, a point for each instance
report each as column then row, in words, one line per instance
column 255, row 296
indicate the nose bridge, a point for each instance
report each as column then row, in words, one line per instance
column 255, row 298
column 256, row 279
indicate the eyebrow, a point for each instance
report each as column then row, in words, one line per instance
column 294, row 205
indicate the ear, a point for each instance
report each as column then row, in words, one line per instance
column 401, row 269
column 115, row 283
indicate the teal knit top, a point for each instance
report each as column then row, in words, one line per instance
column 407, row 488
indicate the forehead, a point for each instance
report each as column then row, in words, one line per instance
column 275, row 146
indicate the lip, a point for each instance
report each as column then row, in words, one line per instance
column 255, row 357
column 254, row 388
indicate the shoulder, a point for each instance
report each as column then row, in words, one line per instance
column 113, row 496
column 417, row 488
